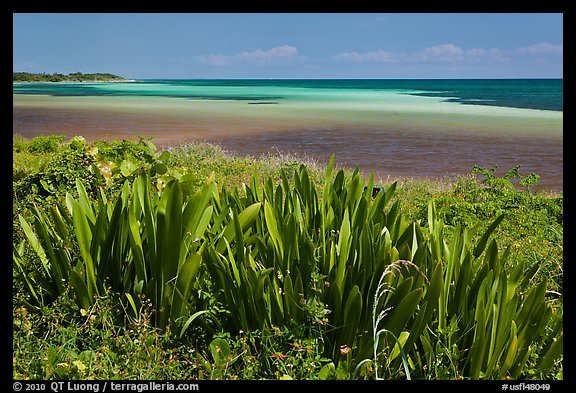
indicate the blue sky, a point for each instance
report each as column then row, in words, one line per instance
column 292, row 45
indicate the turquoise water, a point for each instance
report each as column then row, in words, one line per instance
column 397, row 128
column 544, row 94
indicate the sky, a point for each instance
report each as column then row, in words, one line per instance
column 291, row 45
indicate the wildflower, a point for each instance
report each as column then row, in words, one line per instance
column 79, row 365
column 344, row 349
column 278, row 356
column 22, row 310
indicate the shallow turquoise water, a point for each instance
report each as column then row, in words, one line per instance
column 421, row 128
column 545, row 94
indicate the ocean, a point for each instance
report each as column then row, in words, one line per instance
column 396, row 128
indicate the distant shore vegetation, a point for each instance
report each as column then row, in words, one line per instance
column 73, row 77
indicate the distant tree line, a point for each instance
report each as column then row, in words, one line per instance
column 73, row 77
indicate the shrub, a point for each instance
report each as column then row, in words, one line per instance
column 45, row 144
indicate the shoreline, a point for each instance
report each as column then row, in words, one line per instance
column 76, row 81
column 397, row 139
column 381, row 174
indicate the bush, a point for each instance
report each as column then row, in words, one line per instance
column 45, row 144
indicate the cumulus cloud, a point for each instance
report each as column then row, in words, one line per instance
column 258, row 57
column 444, row 52
column 379, row 56
column 450, row 53
column 478, row 53
column 439, row 53
column 543, row 48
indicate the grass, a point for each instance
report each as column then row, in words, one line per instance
column 104, row 342
column 201, row 159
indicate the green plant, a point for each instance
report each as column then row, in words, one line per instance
column 148, row 246
column 500, row 318
column 529, row 180
column 45, row 144
column 505, row 182
column 385, row 297
column 58, row 175
column 221, row 354
column 380, row 309
column 119, row 161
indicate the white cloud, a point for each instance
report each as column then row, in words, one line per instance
column 479, row 53
column 439, row 53
column 378, row 56
column 444, row 52
column 543, row 48
column 258, row 57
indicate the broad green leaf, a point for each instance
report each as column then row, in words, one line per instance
column 327, row 372
column 159, row 168
column 233, row 265
column 190, row 320
column 480, row 341
column 184, row 280
column 400, row 292
column 273, row 231
column 84, row 238
column 35, row 243
column 203, row 223
column 220, row 350
column 484, row 239
column 83, row 298
column 246, row 219
column 132, row 304
column 343, row 248
column 352, row 314
column 59, row 261
column 553, row 353
column 84, row 202
column 127, row 168
column 26, row 277
column 169, row 220
column 239, row 239
column 329, row 168
column 403, row 312
column 59, row 224
column 430, row 303
column 136, row 247
column 399, row 345
column 512, row 350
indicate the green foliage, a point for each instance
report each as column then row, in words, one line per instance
column 73, row 77
column 150, row 236
column 497, row 314
column 39, row 144
column 120, row 150
column 57, row 174
column 505, row 182
column 531, row 226
column 60, row 165
column 123, row 160
column 282, row 278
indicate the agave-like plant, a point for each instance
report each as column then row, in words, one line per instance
column 143, row 244
column 392, row 291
